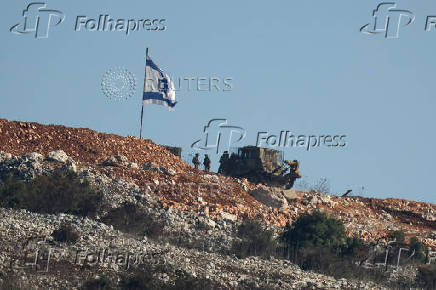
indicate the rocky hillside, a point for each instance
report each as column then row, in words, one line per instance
column 191, row 245
column 182, row 187
column 198, row 209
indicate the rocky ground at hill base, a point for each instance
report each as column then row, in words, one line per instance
column 198, row 209
column 23, row 233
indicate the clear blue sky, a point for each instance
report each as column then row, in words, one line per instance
column 301, row 66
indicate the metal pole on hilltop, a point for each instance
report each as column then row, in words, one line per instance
column 145, row 83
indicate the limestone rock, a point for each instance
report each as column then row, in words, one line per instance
column 57, row 156
column 269, row 197
column 33, row 157
column 157, row 168
column 116, row 160
column 290, row 194
column 228, row 216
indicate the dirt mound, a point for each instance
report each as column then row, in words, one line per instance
column 84, row 145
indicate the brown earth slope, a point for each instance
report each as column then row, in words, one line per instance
column 217, row 196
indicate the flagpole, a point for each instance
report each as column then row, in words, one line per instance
column 145, row 82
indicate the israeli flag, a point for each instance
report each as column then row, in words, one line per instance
column 158, row 87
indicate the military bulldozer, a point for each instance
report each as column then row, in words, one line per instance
column 260, row 165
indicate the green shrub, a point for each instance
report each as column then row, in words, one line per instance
column 65, row 234
column 315, row 229
column 12, row 192
column 256, row 240
column 419, row 248
column 60, row 192
column 326, row 261
column 356, row 249
column 132, row 219
column 319, row 243
column 427, row 276
column 398, row 236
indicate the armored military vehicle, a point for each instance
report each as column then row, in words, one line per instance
column 260, row 165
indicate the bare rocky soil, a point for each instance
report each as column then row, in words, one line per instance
column 200, row 212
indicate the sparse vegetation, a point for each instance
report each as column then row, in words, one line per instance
column 319, row 243
column 356, row 249
column 202, row 226
column 132, row 219
column 65, row 234
column 99, row 283
column 419, row 248
column 255, row 240
column 9, row 282
column 332, row 263
column 145, row 280
column 322, row 186
column 140, row 280
column 188, row 282
column 427, row 276
column 60, row 192
column 398, row 236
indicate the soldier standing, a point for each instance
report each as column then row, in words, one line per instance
column 293, row 173
column 196, row 161
column 206, row 162
column 224, row 162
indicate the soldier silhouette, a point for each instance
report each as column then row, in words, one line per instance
column 196, row 161
column 293, row 173
column 206, row 162
column 224, row 162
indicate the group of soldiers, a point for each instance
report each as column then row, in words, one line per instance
column 224, row 162
column 206, row 162
column 285, row 174
column 262, row 171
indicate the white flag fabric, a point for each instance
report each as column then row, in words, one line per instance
column 158, row 87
